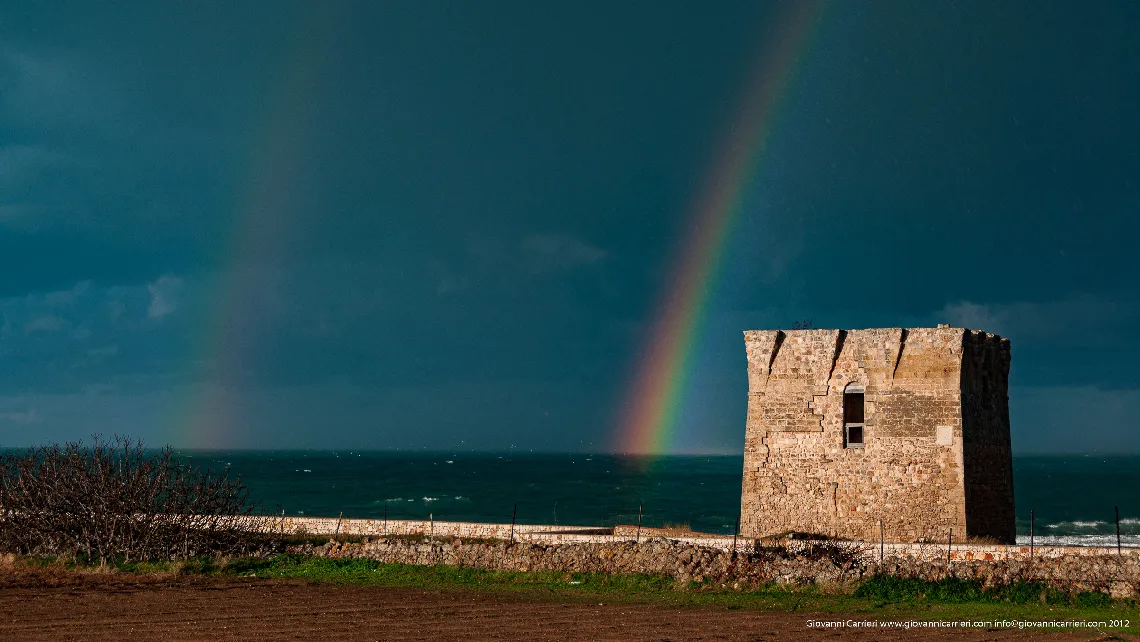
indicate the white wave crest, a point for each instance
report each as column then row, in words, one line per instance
column 1076, row 524
column 1080, row 540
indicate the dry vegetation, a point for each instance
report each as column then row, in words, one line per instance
column 116, row 501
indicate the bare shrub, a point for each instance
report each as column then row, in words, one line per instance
column 679, row 528
column 117, row 501
column 840, row 553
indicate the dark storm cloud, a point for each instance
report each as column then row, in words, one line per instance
column 481, row 207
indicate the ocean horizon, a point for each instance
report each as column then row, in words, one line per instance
column 1072, row 497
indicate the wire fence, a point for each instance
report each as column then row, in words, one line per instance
column 953, row 545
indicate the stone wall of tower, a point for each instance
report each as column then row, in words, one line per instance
column 798, row 474
column 986, row 453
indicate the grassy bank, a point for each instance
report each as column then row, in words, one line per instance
column 876, row 598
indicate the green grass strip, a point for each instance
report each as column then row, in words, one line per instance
column 880, row 597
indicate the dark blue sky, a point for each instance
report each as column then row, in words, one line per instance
column 448, row 224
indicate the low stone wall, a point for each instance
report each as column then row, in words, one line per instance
column 838, row 565
column 710, row 558
column 477, row 530
column 545, row 534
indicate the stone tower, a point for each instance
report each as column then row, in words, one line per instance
column 849, row 427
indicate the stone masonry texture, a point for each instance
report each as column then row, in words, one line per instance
column 716, row 558
column 936, row 454
column 806, row 563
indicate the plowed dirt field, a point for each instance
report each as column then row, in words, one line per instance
column 126, row 607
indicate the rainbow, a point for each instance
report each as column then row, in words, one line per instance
column 648, row 420
column 267, row 207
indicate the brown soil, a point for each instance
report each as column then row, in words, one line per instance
column 92, row 606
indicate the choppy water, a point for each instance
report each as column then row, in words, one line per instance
column 1072, row 497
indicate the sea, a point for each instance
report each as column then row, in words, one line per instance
column 1074, row 499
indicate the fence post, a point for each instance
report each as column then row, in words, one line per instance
column 735, row 534
column 1116, row 509
column 385, row 517
column 431, row 521
column 949, row 544
column 514, row 512
column 882, row 543
column 1031, row 542
column 638, row 540
column 336, row 533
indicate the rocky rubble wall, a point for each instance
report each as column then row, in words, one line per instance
column 549, row 534
column 827, row 564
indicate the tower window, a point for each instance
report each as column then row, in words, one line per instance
column 853, row 417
